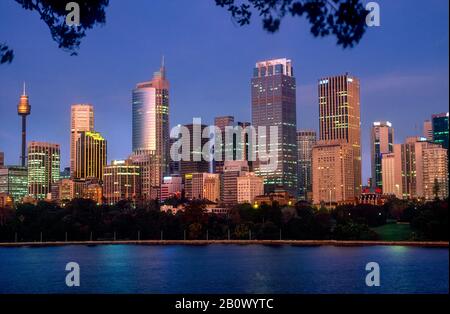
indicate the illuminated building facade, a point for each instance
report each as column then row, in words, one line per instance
column 43, row 168
column 340, row 118
column 90, row 156
column 121, row 181
column 14, row 182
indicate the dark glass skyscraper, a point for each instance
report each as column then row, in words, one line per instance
column 274, row 104
column 381, row 142
column 440, row 129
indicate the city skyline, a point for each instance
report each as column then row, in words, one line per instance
column 382, row 84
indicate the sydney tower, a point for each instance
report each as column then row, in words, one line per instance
column 24, row 109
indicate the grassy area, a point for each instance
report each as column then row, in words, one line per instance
column 393, row 232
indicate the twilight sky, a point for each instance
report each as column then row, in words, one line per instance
column 403, row 67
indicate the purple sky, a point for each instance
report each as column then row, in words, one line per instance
column 403, row 67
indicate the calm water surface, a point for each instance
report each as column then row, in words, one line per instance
column 223, row 269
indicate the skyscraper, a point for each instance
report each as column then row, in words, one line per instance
column 81, row 119
column 305, row 143
column 339, row 116
column 2, row 159
column 43, row 168
column 274, row 104
column 23, row 110
column 440, row 129
column 381, row 142
column 150, row 129
column 91, row 152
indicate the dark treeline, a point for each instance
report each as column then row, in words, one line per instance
column 82, row 219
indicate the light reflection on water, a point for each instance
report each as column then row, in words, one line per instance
column 223, row 269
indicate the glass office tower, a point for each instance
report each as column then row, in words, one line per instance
column 274, row 104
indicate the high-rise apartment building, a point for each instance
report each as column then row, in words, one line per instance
column 91, row 152
column 150, row 131
column 381, row 142
column 339, row 117
column 121, row 181
column 81, row 119
column 421, row 169
column 440, row 129
column 2, row 159
column 306, row 140
column 249, row 186
column 14, row 182
column 333, row 172
column 435, row 172
column 273, row 93
column 43, row 168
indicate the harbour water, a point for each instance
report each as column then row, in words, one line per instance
column 223, row 269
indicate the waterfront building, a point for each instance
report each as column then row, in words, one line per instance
column 81, row 120
column 440, row 129
column 306, row 140
column 232, row 170
column 172, row 186
column 381, row 142
column 333, row 172
column 150, row 131
column 273, row 95
column 202, row 186
column 91, row 152
column 121, row 181
column 43, row 168
column 249, row 186
column 14, row 182
column 340, row 119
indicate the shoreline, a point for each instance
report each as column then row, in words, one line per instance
column 337, row 243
